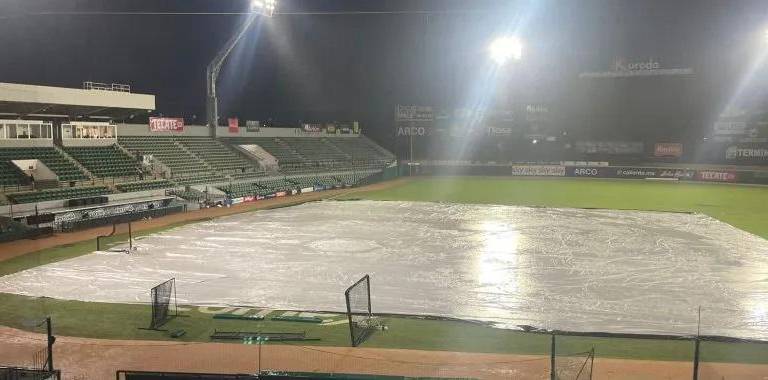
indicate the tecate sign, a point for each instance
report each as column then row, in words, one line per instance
column 717, row 176
column 166, row 124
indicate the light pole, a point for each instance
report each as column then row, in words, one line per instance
column 258, row 8
column 506, row 48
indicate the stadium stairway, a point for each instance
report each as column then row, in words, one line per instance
column 74, row 162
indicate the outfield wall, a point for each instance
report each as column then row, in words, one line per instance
column 618, row 172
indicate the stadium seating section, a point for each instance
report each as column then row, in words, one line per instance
column 312, row 154
column 59, row 163
column 303, row 162
column 107, row 161
column 10, row 175
column 271, row 185
column 144, row 185
column 60, row 193
column 219, row 156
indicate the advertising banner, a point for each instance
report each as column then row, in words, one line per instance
column 252, row 126
column 308, row 127
column 166, row 124
column 281, row 194
column 411, row 130
column 330, row 129
column 414, row 114
column 682, row 174
column 294, row 191
column 746, row 153
column 609, row 147
column 668, row 150
column 346, row 127
column 307, row 189
column 500, row 132
column 588, row 171
column 249, row 198
column 622, row 68
column 268, row 196
column 730, row 127
column 716, row 175
column 259, row 197
column 539, row 170
column 234, row 125
column 237, row 200
column 635, row 172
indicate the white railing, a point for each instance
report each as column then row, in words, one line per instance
column 106, row 86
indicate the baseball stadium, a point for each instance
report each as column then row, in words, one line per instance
column 401, row 189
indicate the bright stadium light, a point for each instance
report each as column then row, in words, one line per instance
column 503, row 49
column 265, row 7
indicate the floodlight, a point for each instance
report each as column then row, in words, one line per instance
column 503, row 49
column 264, row 7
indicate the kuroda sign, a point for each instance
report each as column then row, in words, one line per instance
column 621, row 68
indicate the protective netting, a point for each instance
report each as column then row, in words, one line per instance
column 120, row 239
column 163, row 303
column 358, row 298
column 576, row 366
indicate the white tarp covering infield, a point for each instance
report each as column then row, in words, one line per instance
column 567, row 269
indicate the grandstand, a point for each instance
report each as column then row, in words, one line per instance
column 53, row 158
column 166, row 150
column 109, row 161
column 88, row 171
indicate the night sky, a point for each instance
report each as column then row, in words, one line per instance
column 358, row 67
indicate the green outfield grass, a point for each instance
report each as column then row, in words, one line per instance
column 745, row 207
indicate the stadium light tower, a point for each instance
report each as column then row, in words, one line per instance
column 504, row 49
column 258, row 8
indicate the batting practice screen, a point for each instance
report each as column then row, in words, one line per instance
column 358, row 298
column 162, row 295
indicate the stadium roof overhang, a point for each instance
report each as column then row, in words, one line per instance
column 45, row 102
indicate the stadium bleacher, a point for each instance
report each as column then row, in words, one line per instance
column 303, row 162
column 313, row 154
column 58, row 193
column 65, row 169
column 218, row 155
column 108, row 161
column 166, row 150
column 10, row 175
column 145, row 185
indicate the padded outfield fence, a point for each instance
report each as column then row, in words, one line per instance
column 587, row 170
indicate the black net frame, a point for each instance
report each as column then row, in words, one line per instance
column 114, row 231
column 575, row 366
column 358, row 297
column 163, row 303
